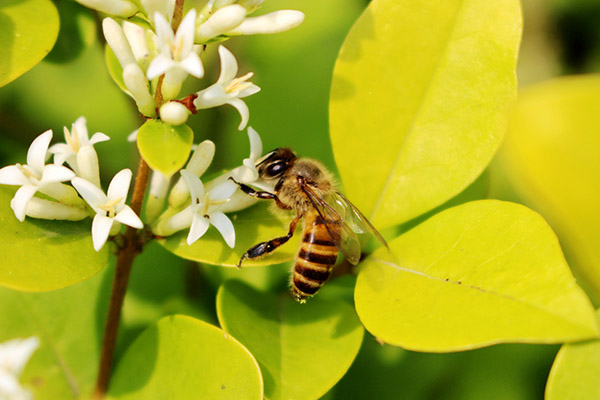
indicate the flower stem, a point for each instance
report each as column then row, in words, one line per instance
column 177, row 14
column 126, row 254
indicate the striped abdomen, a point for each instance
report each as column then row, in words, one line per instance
column 315, row 260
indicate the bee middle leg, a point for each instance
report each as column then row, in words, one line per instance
column 259, row 194
column 265, row 248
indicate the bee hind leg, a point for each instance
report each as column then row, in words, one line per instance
column 265, row 248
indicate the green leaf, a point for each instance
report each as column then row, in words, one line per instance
column 165, row 148
column 477, row 274
column 70, row 325
column 183, row 358
column 77, row 32
column 28, row 30
column 419, row 101
column 575, row 372
column 551, row 158
column 252, row 225
column 40, row 255
column 303, row 349
column 114, row 69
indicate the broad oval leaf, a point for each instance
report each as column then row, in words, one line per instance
column 40, row 255
column 303, row 349
column 574, row 374
column 252, row 226
column 419, row 101
column 68, row 323
column 480, row 273
column 28, row 30
column 164, row 147
column 551, row 158
column 181, row 357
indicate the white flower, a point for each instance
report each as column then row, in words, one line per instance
column 228, row 89
column 177, row 57
column 14, row 355
column 220, row 21
column 198, row 163
column 36, row 176
column 203, row 212
column 78, row 151
column 275, row 22
column 248, row 173
column 109, row 207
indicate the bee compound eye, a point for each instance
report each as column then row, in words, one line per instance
column 275, row 169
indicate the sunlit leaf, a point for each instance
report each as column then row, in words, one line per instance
column 551, row 157
column 165, row 148
column 302, row 349
column 252, row 226
column 419, row 101
column 69, row 324
column 28, row 30
column 574, row 374
column 181, row 357
column 481, row 273
column 42, row 255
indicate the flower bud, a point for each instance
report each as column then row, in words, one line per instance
column 223, row 20
column 174, row 113
column 159, row 184
column 169, row 224
column 136, row 36
column 137, row 84
column 198, row 163
column 63, row 193
column 251, row 5
column 275, row 22
column 119, row 8
column 116, row 39
column 46, row 209
column 87, row 162
column 172, row 83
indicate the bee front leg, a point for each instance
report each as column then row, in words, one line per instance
column 265, row 248
column 254, row 193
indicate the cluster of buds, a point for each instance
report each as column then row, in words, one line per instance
column 190, row 203
column 157, row 54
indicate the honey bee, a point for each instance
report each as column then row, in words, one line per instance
column 305, row 187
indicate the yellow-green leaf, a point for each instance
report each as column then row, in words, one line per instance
column 40, row 255
column 303, row 349
column 165, row 148
column 480, row 273
column 551, row 158
column 181, row 357
column 28, row 30
column 575, row 372
column 419, row 100
column 252, row 226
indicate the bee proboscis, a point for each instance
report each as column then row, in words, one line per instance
column 331, row 221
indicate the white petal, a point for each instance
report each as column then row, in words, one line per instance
column 119, row 185
column 120, row 8
column 194, row 184
column 100, row 230
column 137, row 84
column 87, row 163
column 247, row 173
column 61, row 152
column 212, row 96
column 159, row 65
column 224, row 226
column 117, row 41
column 56, row 173
column 222, row 20
column 177, row 222
column 80, row 128
column 163, row 31
column 202, row 157
column 99, row 137
column 243, row 110
column 19, row 202
column 132, row 136
column 46, row 209
column 256, row 148
column 12, row 175
column 229, row 66
column 185, row 33
column 199, row 227
column 275, row 22
column 36, row 155
column 223, row 191
column 91, row 193
column 248, row 91
column 192, row 65
column 128, row 217
column 14, row 354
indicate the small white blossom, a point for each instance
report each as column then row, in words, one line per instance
column 78, row 151
column 177, row 57
column 275, row 22
column 174, row 113
column 36, row 176
column 119, row 8
column 205, row 210
column 109, row 207
column 228, row 89
column 248, row 173
column 198, row 163
column 14, row 355
column 220, row 21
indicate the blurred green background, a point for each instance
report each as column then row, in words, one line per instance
column 294, row 71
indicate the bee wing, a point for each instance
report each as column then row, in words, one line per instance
column 341, row 234
column 355, row 218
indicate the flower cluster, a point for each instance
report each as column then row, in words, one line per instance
column 155, row 55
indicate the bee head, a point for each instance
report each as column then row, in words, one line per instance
column 274, row 164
